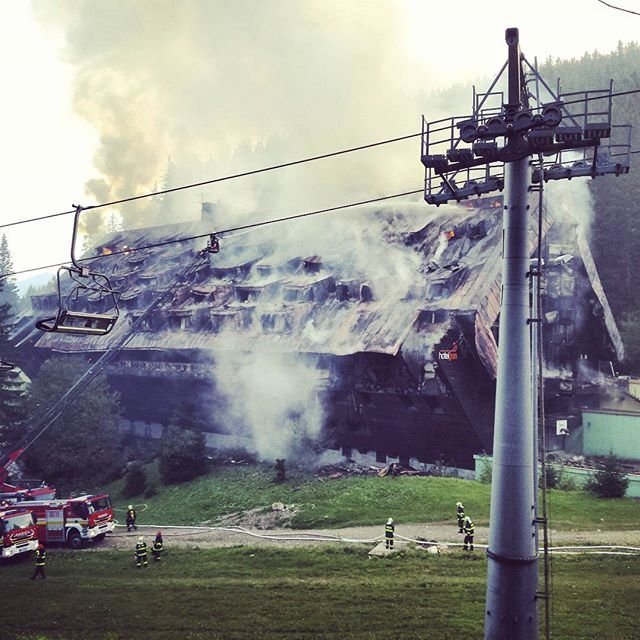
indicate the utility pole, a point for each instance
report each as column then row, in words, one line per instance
column 463, row 157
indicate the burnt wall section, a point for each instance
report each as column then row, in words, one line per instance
column 578, row 333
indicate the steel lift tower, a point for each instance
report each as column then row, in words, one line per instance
column 515, row 141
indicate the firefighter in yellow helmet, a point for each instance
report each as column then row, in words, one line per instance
column 469, row 532
column 131, row 518
column 460, row 516
column 141, row 553
column 389, row 533
column 40, row 562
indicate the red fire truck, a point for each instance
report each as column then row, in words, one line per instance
column 72, row 520
column 18, row 531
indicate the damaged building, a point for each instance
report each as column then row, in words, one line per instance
column 402, row 368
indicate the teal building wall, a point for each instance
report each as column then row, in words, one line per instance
column 604, row 433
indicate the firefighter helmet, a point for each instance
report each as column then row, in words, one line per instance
column 140, row 539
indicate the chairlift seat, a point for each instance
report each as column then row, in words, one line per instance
column 79, row 323
column 77, row 320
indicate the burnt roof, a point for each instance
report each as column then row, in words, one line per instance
column 458, row 275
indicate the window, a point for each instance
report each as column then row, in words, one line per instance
column 101, row 503
column 20, row 521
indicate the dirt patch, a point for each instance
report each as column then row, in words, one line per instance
column 275, row 516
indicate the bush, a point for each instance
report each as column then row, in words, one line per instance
column 183, row 456
column 486, row 470
column 553, row 476
column 608, row 481
column 566, row 483
column 151, row 491
column 558, row 479
column 135, row 480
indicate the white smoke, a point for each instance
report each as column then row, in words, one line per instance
column 181, row 92
column 273, row 400
column 571, row 201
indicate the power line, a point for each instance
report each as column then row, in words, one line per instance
column 233, row 176
column 611, row 6
column 253, row 225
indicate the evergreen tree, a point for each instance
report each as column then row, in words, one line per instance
column 11, row 383
column 609, row 481
column 183, row 455
column 615, row 237
column 135, row 480
column 8, row 290
column 82, row 447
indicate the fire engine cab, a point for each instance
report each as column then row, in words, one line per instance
column 72, row 520
column 18, row 532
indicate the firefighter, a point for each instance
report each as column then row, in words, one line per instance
column 156, row 549
column 460, row 516
column 131, row 518
column 389, row 532
column 141, row 553
column 469, row 531
column 41, row 561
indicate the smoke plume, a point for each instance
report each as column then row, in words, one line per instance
column 181, row 92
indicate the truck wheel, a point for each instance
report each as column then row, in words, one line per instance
column 74, row 540
column 100, row 537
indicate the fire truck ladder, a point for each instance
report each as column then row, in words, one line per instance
column 49, row 417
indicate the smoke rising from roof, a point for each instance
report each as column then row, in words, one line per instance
column 571, row 201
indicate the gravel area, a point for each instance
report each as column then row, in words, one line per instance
column 443, row 533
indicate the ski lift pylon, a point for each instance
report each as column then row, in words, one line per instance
column 72, row 316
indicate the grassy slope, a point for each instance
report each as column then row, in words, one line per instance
column 325, row 593
column 358, row 500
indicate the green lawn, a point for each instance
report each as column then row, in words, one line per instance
column 327, row 593
column 357, row 500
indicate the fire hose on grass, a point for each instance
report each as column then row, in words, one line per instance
column 321, row 537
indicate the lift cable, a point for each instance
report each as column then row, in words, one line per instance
column 271, row 168
column 252, row 225
column 42, row 423
column 221, row 179
column 611, row 6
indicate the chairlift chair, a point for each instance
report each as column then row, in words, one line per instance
column 72, row 316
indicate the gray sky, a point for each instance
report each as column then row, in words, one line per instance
column 99, row 96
